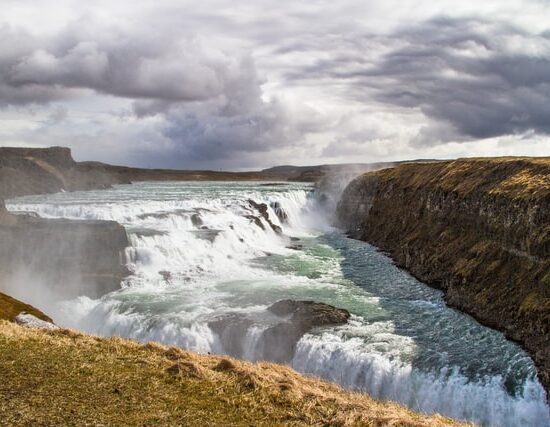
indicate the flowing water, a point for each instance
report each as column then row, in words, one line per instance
column 198, row 255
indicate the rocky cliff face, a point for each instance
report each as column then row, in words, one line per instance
column 47, row 170
column 478, row 229
column 41, row 258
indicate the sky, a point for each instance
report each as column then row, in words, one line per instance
column 246, row 85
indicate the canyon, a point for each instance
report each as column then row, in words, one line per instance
column 479, row 229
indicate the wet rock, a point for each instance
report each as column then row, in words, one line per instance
column 296, row 247
column 305, row 315
column 279, row 341
column 262, row 209
column 26, row 213
column 196, row 220
column 206, row 234
column 256, row 221
column 145, row 232
column 279, row 211
column 166, row 275
column 280, row 328
column 232, row 328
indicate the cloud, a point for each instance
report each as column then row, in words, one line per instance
column 472, row 78
column 119, row 64
column 209, row 102
column 183, row 84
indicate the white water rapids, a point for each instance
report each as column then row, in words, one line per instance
column 197, row 254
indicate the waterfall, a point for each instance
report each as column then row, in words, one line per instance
column 201, row 252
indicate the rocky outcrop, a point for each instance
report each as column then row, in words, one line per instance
column 478, row 229
column 47, row 170
column 285, row 322
column 305, row 315
column 261, row 208
column 279, row 211
column 63, row 257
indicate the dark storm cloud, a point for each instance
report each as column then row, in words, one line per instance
column 473, row 78
column 194, row 86
column 135, row 66
column 262, row 127
column 464, row 74
column 208, row 102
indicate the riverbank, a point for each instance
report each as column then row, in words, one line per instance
column 479, row 229
column 80, row 379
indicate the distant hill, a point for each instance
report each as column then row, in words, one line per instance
column 47, row 170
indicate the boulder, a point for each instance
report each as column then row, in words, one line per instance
column 305, row 315
column 283, row 325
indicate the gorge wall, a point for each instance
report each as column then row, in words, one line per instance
column 479, row 229
column 45, row 259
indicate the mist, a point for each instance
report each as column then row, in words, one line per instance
column 44, row 261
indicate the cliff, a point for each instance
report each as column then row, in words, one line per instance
column 66, row 258
column 79, row 380
column 26, row 171
column 479, row 229
column 46, row 170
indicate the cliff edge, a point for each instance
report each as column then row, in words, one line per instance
column 10, row 308
column 45, row 258
column 58, row 258
column 479, row 229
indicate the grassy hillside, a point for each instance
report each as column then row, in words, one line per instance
column 65, row 378
column 10, row 308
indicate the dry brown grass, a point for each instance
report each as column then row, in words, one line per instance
column 511, row 177
column 10, row 308
column 66, row 378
